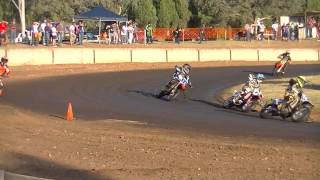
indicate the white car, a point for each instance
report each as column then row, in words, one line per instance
column 19, row 38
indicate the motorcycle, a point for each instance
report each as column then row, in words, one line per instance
column 174, row 87
column 246, row 102
column 280, row 68
column 301, row 113
column 4, row 72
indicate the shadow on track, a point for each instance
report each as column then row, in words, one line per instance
column 144, row 93
column 259, row 72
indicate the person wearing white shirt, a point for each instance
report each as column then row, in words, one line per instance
column 275, row 27
column 124, row 34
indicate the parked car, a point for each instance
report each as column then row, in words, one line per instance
column 26, row 39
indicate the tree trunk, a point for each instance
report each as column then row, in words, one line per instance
column 22, row 12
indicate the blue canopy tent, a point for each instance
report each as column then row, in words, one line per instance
column 101, row 14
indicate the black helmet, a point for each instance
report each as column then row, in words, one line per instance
column 292, row 82
column 4, row 59
column 186, row 68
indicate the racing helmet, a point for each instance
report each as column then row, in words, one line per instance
column 301, row 80
column 4, row 59
column 260, row 76
column 186, row 68
column 292, row 82
column 251, row 77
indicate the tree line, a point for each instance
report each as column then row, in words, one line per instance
column 165, row 13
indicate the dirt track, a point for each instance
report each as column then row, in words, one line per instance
column 186, row 138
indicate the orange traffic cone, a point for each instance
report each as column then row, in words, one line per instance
column 69, row 115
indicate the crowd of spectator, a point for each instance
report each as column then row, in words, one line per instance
column 52, row 33
column 126, row 33
column 287, row 31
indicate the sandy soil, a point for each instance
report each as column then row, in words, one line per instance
column 51, row 147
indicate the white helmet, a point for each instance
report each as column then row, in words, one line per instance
column 251, row 77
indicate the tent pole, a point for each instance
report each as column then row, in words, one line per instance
column 99, row 29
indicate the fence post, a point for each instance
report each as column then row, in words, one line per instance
column 166, row 55
column 225, row 34
column 52, row 51
column 182, row 35
column 94, row 56
column 145, row 36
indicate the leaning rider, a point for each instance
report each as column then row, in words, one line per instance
column 252, row 83
column 283, row 59
column 293, row 93
column 4, row 71
column 4, row 68
column 183, row 71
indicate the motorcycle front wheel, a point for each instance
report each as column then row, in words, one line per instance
column 173, row 95
column 301, row 115
column 228, row 103
column 266, row 112
column 248, row 106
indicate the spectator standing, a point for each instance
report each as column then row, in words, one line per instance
column 135, row 32
column 54, row 35
column 72, row 33
column 109, row 34
column 248, row 32
column 310, row 24
column 124, row 32
column 149, row 33
column 262, row 29
column 296, row 31
column 176, row 35
column 34, row 33
column 275, row 28
column 42, row 30
column 115, row 29
column 47, row 33
column 130, row 32
column 3, row 32
column 301, row 30
column 318, row 29
column 81, row 32
column 60, row 33
column 13, row 31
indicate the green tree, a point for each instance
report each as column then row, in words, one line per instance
column 167, row 14
column 182, row 9
column 313, row 5
column 143, row 12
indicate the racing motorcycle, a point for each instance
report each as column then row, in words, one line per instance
column 301, row 113
column 4, row 72
column 175, row 87
column 246, row 102
column 280, row 68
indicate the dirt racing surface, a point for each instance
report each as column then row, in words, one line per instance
column 123, row 132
